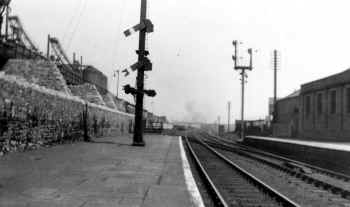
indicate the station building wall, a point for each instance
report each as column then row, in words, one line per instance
column 326, row 108
column 287, row 120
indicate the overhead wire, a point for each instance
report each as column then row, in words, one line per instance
column 71, row 19
column 147, row 17
column 118, row 35
column 77, row 24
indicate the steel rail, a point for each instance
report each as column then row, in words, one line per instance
column 280, row 198
column 331, row 173
column 243, row 152
column 215, row 194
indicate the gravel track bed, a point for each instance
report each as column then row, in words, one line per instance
column 303, row 193
column 207, row 200
column 314, row 174
column 236, row 190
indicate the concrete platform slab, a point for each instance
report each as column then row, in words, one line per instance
column 107, row 172
column 330, row 156
column 340, row 146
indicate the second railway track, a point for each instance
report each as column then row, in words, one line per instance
column 304, row 188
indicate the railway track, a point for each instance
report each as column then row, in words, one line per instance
column 336, row 184
column 229, row 184
column 329, row 180
column 320, row 170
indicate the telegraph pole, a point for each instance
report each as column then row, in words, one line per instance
column 219, row 125
column 228, row 115
column 275, row 62
column 243, row 74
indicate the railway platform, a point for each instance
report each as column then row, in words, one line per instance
column 340, row 146
column 328, row 155
column 106, row 172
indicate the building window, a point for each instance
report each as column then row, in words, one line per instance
column 319, row 104
column 348, row 100
column 333, row 102
column 308, row 106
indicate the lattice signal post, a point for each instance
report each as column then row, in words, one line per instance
column 244, row 75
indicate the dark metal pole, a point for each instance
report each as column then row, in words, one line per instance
column 117, row 83
column 74, row 58
column 242, row 110
column 138, row 129
column 7, row 22
column 275, row 86
column 48, row 48
column 228, row 116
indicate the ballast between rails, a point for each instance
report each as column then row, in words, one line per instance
column 334, row 189
column 283, row 200
column 256, row 151
column 217, row 197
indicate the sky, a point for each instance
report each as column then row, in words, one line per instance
column 191, row 47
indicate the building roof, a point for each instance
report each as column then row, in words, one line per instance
column 327, row 82
column 294, row 94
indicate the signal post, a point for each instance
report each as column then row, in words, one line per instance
column 143, row 64
column 244, row 75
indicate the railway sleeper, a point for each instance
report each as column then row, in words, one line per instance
column 296, row 170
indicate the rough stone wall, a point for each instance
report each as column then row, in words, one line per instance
column 87, row 92
column 33, row 115
column 121, row 105
column 40, row 72
column 109, row 100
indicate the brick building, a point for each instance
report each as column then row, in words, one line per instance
column 326, row 107
column 321, row 111
column 286, row 122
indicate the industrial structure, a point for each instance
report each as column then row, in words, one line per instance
column 15, row 43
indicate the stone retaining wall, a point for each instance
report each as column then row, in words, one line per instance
column 40, row 72
column 33, row 115
column 88, row 92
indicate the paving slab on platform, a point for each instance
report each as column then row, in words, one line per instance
column 341, row 146
column 108, row 172
column 327, row 155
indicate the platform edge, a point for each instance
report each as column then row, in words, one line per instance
column 190, row 182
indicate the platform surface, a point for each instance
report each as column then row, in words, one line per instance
column 108, row 172
column 341, row 146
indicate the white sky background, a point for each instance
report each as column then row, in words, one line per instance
column 191, row 47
